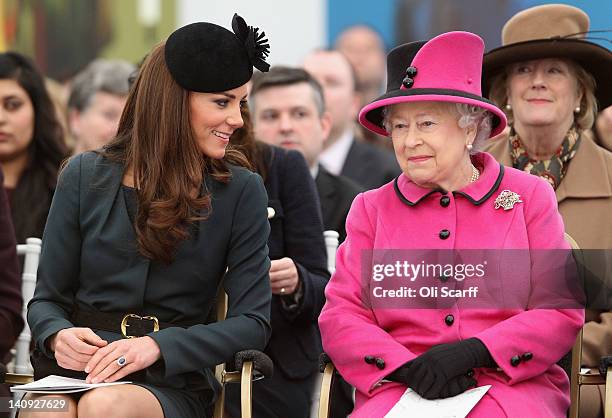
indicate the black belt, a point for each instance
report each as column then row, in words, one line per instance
column 128, row 325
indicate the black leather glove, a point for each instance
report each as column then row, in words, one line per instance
column 429, row 373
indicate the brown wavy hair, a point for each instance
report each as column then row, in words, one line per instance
column 155, row 141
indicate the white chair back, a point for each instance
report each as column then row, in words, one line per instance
column 331, row 244
column 31, row 252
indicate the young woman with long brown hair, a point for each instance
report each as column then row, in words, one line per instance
column 142, row 233
column 31, row 144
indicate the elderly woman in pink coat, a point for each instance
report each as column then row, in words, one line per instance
column 450, row 197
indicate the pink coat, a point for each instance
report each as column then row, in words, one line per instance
column 412, row 218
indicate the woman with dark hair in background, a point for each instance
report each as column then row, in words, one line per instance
column 31, row 144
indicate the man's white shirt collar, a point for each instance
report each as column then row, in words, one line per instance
column 334, row 157
column 314, row 170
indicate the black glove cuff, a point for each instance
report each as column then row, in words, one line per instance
column 400, row 375
column 480, row 353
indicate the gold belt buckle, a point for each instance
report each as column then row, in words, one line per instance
column 124, row 323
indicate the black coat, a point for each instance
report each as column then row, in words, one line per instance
column 89, row 259
column 296, row 232
column 336, row 194
column 370, row 166
column 11, row 321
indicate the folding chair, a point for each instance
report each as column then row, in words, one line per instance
column 20, row 366
column 331, row 245
column 31, row 252
column 603, row 376
column 249, row 366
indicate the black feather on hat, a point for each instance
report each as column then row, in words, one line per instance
column 255, row 43
column 208, row 58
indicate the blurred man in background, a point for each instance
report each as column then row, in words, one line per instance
column 365, row 50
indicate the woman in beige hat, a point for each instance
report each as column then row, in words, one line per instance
column 550, row 82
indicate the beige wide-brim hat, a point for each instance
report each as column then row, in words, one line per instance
column 551, row 31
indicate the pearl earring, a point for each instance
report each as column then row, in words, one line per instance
column 469, row 147
column 508, row 107
column 577, row 109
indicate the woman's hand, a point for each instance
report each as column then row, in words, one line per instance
column 433, row 386
column 74, row 347
column 430, row 373
column 139, row 353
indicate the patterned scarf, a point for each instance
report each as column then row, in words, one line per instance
column 552, row 170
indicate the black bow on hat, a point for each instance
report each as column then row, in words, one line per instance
column 255, row 43
column 208, row 58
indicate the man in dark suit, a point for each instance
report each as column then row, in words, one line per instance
column 368, row 165
column 298, row 260
column 289, row 111
column 336, row 194
column 11, row 321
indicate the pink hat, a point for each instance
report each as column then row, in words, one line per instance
column 445, row 69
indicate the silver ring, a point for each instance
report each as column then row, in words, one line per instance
column 282, row 290
column 121, row 361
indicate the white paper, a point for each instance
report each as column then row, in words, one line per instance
column 60, row 384
column 412, row 405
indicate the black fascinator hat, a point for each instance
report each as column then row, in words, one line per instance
column 208, row 58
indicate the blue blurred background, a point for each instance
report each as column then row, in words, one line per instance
column 401, row 21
